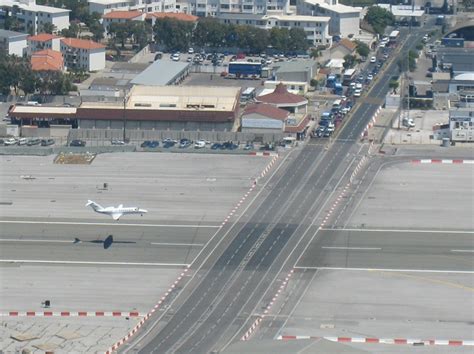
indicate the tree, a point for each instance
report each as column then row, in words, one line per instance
column 97, row 31
column 120, row 32
column 72, row 31
column 174, row 34
column 140, row 31
column 315, row 53
column 210, row 33
column 47, row 27
column 298, row 39
column 379, row 19
column 280, row 38
column 349, row 61
column 393, row 84
column 362, row 49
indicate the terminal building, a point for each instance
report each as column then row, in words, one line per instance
column 190, row 108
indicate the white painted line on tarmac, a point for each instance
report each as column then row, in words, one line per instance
column 178, row 244
column 24, row 240
column 390, row 270
column 402, row 230
column 466, row 251
column 352, row 248
column 103, row 224
column 93, row 263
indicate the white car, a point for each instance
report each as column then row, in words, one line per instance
column 10, row 141
column 199, row 144
column 357, row 92
column 373, row 59
column 22, row 141
column 358, row 86
column 175, row 57
column 370, row 77
column 190, row 51
column 408, row 122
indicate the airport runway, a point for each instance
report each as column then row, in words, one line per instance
column 391, row 250
column 208, row 317
column 101, row 243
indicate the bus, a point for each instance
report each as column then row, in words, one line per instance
column 349, row 75
column 247, row 94
column 393, row 37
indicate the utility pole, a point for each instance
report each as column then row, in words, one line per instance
column 124, row 116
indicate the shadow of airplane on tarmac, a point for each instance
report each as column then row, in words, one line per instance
column 107, row 242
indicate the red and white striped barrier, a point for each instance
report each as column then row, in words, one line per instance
column 255, row 324
column 135, row 329
column 263, row 153
column 370, row 124
column 72, row 314
column 406, row 341
column 445, row 161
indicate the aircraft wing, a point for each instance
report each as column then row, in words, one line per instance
column 116, row 216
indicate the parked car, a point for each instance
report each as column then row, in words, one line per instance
column 184, row 143
column 77, row 143
column 33, row 141
column 248, row 146
column 153, row 144
column 145, row 144
column 118, row 142
column 168, row 144
column 22, row 141
column 373, row 59
column 216, row 146
column 47, row 142
column 190, row 51
column 10, row 142
column 199, row 144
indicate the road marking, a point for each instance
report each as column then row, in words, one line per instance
column 469, row 251
column 23, row 240
column 402, row 230
column 352, row 248
column 390, row 270
column 104, row 224
column 178, row 244
column 92, row 263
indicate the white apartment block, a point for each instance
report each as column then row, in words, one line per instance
column 315, row 27
column 13, row 43
column 43, row 41
column 82, row 54
column 220, row 7
column 105, row 6
column 345, row 20
column 33, row 17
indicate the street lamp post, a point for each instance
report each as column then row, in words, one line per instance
column 124, row 116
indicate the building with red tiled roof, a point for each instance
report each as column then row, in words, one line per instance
column 342, row 48
column 47, row 60
column 121, row 17
column 152, row 17
column 83, row 54
column 263, row 118
column 281, row 98
column 43, row 41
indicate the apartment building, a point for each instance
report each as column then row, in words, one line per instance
column 121, row 17
column 344, row 20
column 216, row 8
column 105, row 6
column 33, row 17
column 315, row 27
column 43, row 41
column 83, row 54
column 13, row 42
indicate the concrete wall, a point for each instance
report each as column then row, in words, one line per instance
column 60, row 20
column 141, row 135
column 154, row 125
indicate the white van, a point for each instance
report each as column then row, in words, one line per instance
column 22, row 141
column 199, row 144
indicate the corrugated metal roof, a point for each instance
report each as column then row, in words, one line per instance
column 160, row 73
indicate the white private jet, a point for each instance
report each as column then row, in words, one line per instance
column 115, row 212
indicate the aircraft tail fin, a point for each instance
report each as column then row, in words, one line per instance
column 93, row 205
